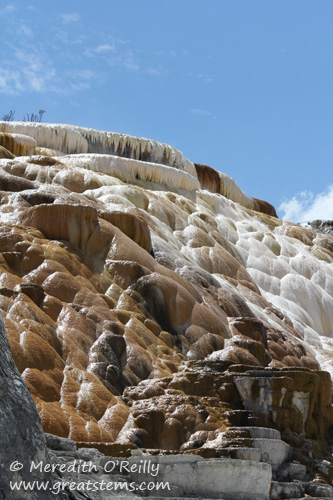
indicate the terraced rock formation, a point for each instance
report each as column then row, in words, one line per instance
column 151, row 305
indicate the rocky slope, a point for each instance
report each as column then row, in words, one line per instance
column 149, row 303
column 323, row 226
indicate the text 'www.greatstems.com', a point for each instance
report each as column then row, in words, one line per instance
column 89, row 486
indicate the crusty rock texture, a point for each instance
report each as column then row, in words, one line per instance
column 22, row 438
column 217, row 182
column 155, row 305
column 323, row 226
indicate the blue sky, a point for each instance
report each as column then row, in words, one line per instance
column 244, row 86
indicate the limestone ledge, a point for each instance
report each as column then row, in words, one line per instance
column 132, row 159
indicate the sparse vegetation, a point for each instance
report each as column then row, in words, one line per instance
column 34, row 118
column 28, row 117
column 8, row 117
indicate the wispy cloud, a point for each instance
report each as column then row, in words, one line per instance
column 10, row 82
column 202, row 112
column 158, row 70
column 72, row 17
column 60, row 54
column 116, row 53
column 29, row 70
column 205, row 77
column 104, row 49
column 7, row 10
column 24, row 30
column 306, row 206
column 32, row 8
column 81, row 79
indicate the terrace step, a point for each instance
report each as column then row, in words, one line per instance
column 296, row 490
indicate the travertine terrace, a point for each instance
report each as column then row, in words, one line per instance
column 150, row 303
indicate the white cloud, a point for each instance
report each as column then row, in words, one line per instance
column 25, row 31
column 202, row 112
column 29, row 70
column 115, row 54
column 72, row 17
column 56, row 58
column 104, row 49
column 131, row 65
column 6, row 10
column 306, row 206
column 80, row 80
column 36, row 74
column 10, row 82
